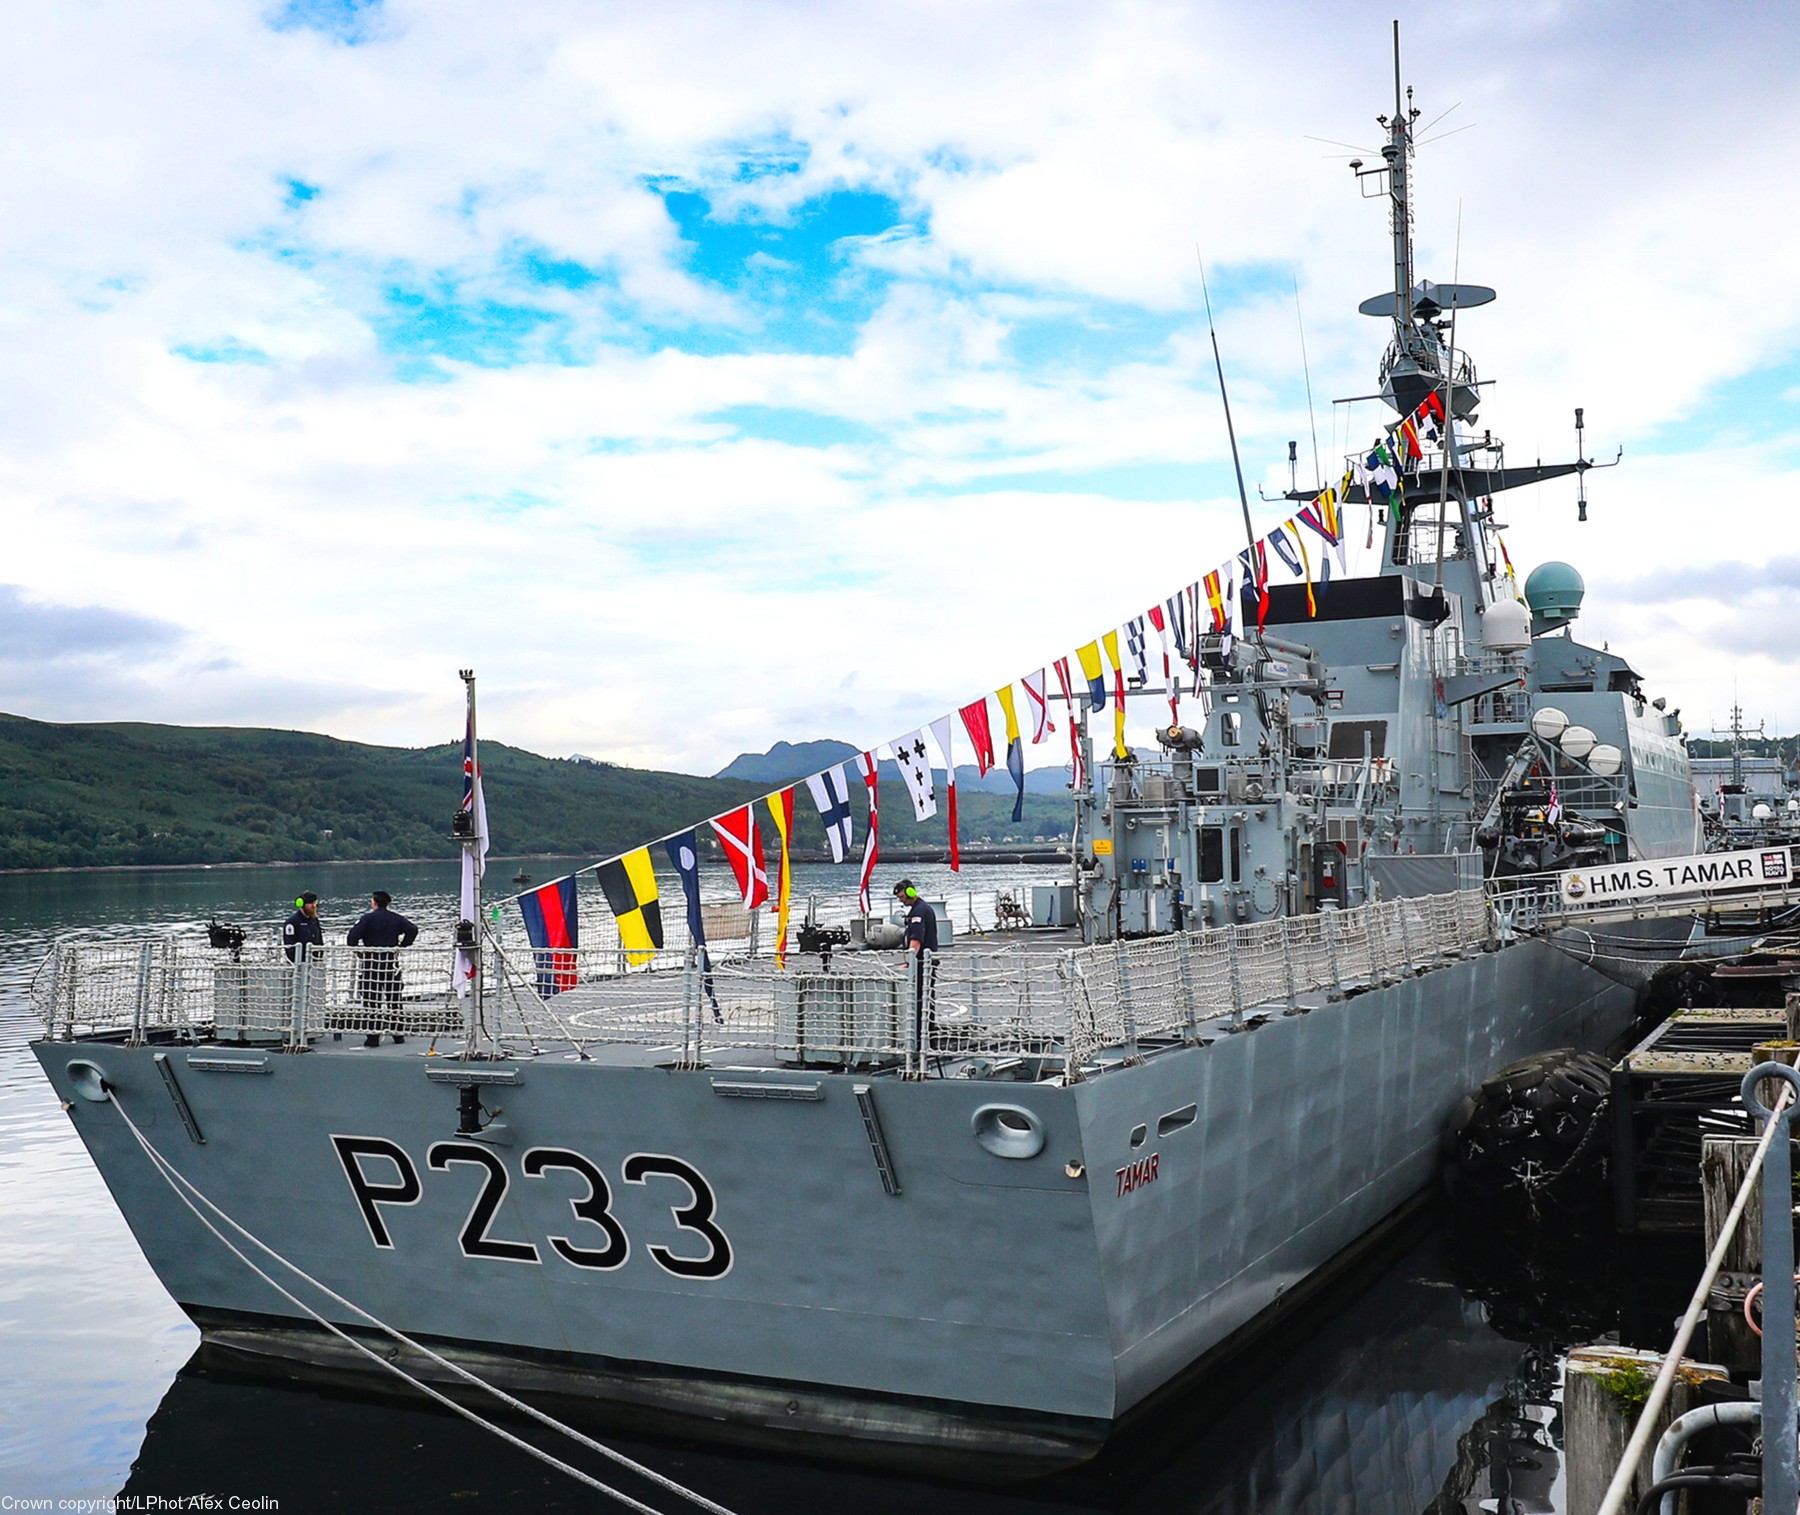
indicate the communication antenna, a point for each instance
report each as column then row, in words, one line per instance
column 1225, row 399
column 1306, row 368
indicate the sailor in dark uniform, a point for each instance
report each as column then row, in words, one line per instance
column 302, row 930
column 379, row 934
column 921, row 938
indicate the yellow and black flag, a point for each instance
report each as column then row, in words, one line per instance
column 629, row 884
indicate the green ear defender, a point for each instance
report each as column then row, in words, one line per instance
column 299, row 904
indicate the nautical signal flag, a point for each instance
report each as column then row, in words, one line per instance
column 684, row 852
column 1312, row 604
column 1137, row 652
column 1089, row 658
column 741, row 838
column 629, row 884
column 1255, row 562
column 831, row 793
column 1015, row 748
column 1110, row 641
column 1218, row 597
column 944, row 733
column 914, row 760
column 1068, row 693
column 1039, row 705
column 553, row 928
column 1162, row 630
column 871, row 777
column 781, row 809
column 981, row 736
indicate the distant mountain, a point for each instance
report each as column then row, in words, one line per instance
column 786, row 761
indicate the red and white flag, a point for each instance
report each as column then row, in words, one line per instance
column 941, row 731
column 1068, row 693
column 742, row 839
column 1040, row 706
column 1162, row 630
column 866, row 766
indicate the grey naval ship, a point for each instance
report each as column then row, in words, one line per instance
column 993, row 1211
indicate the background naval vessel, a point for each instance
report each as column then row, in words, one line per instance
column 989, row 1211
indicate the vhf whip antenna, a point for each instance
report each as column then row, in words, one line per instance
column 1230, row 432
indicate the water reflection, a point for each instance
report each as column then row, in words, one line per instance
column 1383, row 1399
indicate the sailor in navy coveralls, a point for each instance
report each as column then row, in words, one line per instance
column 379, row 933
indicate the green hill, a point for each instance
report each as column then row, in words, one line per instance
column 126, row 793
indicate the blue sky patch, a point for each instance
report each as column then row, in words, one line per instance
column 230, row 350
column 1749, row 407
column 438, row 323
column 348, row 21
column 796, row 428
column 804, row 287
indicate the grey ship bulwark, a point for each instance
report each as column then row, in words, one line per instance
column 990, row 1220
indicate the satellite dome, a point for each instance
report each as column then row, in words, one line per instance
column 1505, row 626
column 1554, row 592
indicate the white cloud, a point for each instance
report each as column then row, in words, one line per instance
column 635, row 576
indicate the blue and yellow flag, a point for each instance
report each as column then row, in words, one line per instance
column 1089, row 657
column 1015, row 748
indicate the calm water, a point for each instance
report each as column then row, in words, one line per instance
column 1394, row 1395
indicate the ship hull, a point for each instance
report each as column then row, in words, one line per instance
column 721, row 1245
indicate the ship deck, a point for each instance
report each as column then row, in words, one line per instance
column 1026, row 1004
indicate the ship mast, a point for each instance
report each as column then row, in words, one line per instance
column 1397, row 154
column 470, row 831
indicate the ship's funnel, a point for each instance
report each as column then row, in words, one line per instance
column 1554, row 592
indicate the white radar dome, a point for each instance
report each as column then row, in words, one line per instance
column 1548, row 723
column 1606, row 760
column 1760, row 812
column 1578, row 742
column 1506, row 626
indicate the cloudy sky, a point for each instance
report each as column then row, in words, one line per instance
column 712, row 374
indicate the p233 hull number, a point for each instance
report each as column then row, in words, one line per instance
column 599, row 1242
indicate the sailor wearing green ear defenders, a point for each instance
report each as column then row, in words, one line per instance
column 302, row 930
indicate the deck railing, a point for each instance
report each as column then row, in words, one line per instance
column 1008, row 995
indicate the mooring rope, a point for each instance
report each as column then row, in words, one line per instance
column 1659, row 1391
column 178, row 1182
